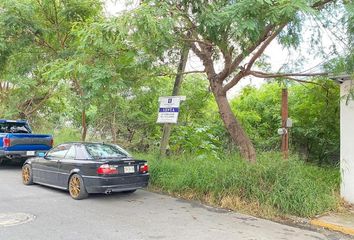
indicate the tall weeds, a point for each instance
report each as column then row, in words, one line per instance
column 281, row 187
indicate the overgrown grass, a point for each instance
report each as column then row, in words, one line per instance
column 272, row 187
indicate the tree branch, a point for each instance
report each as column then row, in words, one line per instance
column 39, row 40
column 229, row 68
column 235, row 80
column 45, row 98
column 197, row 41
column 250, row 49
column 258, row 53
column 303, row 81
column 204, row 52
column 174, row 74
column 205, row 56
column 265, row 44
column 227, row 54
column 320, row 4
column 277, row 75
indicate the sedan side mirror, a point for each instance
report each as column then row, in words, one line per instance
column 41, row 154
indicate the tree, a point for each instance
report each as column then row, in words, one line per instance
column 114, row 75
column 34, row 35
column 237, row 33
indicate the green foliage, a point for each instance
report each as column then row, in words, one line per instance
column 196, row 127
column 35, row 35
column 288, row 187
column 197, row 139
column 64, row 58
column 259, row 113
column 314, row 109
column 152, row 28
column 66, row 135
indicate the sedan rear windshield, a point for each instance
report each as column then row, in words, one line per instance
column 105, row 151
column 14, row 127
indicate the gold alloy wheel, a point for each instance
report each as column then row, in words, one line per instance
column 26, row 175
column 74, row 186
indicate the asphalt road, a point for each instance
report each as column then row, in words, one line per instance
column 51, row 214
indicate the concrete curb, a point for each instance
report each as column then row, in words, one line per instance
column 333, row 227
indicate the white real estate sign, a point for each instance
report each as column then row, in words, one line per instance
column 169, row 109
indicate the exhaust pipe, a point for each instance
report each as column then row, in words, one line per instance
column 108, row 192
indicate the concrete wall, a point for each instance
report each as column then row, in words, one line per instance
column 347, row 142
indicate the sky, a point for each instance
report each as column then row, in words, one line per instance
column 279, row 58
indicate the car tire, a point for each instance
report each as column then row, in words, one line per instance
column 77, row 188
column 129, row 191
column 27, row 175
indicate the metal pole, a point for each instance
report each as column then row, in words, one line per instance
column 284, row 117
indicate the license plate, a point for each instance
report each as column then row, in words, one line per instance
column 30, row 153
column 129, row 169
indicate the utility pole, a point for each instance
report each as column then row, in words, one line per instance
column 178, row 81
column 284, row 119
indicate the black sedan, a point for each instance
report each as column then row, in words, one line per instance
column 83, row 168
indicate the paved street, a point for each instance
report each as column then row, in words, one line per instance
column 52, row 214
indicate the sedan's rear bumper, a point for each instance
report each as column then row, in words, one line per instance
column 115, row 184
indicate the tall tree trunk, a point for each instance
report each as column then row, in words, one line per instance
column 78, row 89
column 234, row 128
column 178, row 81
column 113, row 128
column 84, row 125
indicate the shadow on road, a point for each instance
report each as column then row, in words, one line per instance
column 11, row 165
column 97, row 196
column 117, row 195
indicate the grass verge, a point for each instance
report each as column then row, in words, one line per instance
column 272, row 188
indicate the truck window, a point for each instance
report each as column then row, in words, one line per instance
column 14, row 127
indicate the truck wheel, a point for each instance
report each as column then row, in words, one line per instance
column 27, row 175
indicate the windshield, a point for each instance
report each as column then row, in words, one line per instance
column 98, row 150
column 14, row 127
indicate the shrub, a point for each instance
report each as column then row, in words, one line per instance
column 287, row 187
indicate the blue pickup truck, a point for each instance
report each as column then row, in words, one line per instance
column 18, row 142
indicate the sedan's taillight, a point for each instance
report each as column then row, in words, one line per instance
column 106, row 169
column 6, row 142
column 51, row 142
column 144, row 168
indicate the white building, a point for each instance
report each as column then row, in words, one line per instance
column 347, row 137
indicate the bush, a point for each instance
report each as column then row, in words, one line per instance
column 66, row 135
column 314, row 109
column 286, row 187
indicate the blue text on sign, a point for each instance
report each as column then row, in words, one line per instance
column 169, row 110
